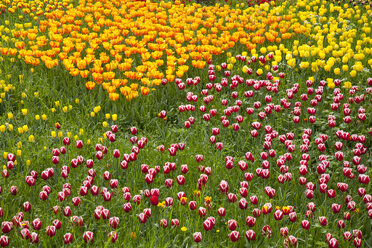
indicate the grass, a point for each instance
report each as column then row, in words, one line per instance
column 55, row 89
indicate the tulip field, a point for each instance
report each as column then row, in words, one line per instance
column 237, row 123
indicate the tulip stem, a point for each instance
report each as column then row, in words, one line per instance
column 35, row 197
column 117, row 168
column 56, row 177
column 75, row 176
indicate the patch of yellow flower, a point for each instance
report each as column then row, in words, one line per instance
column 161, row 204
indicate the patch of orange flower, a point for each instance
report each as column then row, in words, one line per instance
column 110, row 43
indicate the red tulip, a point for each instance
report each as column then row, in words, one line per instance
column 175, row 223
column 168, row 201
column 88, row 237
column 357, row 242
column 163, row 114
column 181, row 179
column 292, row 241
column 6, row 227
column 51, row 231
column 113, row 235
column 363, row 178
column 336, row 208
column 197, row 237
column 10, row 157
column 243, row 192
column 34, row 238
column 232, row 224
column 114, row 222
column 172, row 151
column 266, row 231
column 367, row 198
column 116, row 153
column 4, row 241
column 55, row 159
column 256, row 125
column 43, row 195
column 154, row 200
column 253, row 200
column 106, row 214
column 224, row 187
column 266, row 208
column 292, row 216
column 127, row 196
column 207, row 224
column 114, row 128
column 79, row 144
column 278, row 215
column 248, row 176
column 67, row 238
column 127, row 207
column 57, row 223
column 323, row 220
column 106, row 196
column 341, row 224
column 202, row 212
column 219, row 146
column 333, row 243
column 67, row 211
column 347, row 216
column 234, row 236
column 361, row 169
column 250, row 235
column 192, row 205
column 55, row 152
column 221, row 211
column 232, row 197
column 305, row 224
column 270, row 192
column 111, row 137
column 284, row 231
column 98, row 213
column 154, row 192
column 76, row 201
column 26, row 206
column 251, row 221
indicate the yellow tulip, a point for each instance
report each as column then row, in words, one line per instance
column 347, row 85
column 25, row 128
